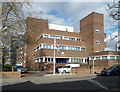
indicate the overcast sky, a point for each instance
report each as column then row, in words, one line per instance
column 70, row 13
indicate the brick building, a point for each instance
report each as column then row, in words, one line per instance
column 74, row 47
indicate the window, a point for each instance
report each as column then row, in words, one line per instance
column 46, row 36
column 45, row 46
column 77, row 48
column 82, row 48
column 112, row 57
column 52, row 36
column 51, row 59
column 92, row 58
column 81, row 60
column 58, row 37
column 48, row 59
column 97, row 58
column 69, row 47
column 72, row 59
column 104, row 57
column 76, row 60
column 73, row 39
column 62, row 47
column 118, row 57
column 97, row 42
column 97, row 31
column 66, row 38
column 45, row 59
column 78, row 39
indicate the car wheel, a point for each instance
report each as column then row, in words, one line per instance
column 64, row 71
column 111, row 73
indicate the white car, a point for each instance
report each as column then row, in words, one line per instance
column 65, row 69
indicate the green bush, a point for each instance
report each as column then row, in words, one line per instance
column 117, row 64
column 7, row 68
column 33, row 70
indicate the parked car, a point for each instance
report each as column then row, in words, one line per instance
column 58, row 68
column 114, row 70
column 64, row 69
column 20, row 69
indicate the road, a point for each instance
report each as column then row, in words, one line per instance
column 97, row 83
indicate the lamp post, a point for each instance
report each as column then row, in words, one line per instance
column 93, row 65
column 54, row 58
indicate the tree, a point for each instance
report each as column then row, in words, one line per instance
column 13, row 17
column 114, row 12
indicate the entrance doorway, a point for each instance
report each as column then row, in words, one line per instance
column 62, row 60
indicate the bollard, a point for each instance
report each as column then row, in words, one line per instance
column 71, row 71
column 60, row 73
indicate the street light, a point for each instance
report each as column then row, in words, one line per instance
column 93, row 65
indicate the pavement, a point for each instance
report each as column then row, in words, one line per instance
column 47, row 78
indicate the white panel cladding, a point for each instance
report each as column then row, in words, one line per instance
column 61, row 27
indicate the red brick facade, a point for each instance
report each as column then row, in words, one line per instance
column 89, row 26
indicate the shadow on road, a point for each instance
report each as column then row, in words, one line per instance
column 99, row 84
column 74, row 85
column 108, row 82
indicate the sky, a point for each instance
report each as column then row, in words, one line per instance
column 70, row 14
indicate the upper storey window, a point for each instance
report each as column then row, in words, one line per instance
column 97, row 42
column 59, row 37
column 46, row 36
column 97, row 31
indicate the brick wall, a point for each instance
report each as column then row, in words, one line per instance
column 88, row 27
column 11, row 75
column 84, row 68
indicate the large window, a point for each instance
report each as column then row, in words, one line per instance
column 66, row 38
column 91, row 58
column 76, row 60
column 97, row 58
column 52, row 36
column 77, row 48
column 46, row 36
column 73, row 48
column 112, row 57
column 82, row 48
column 59, row 37
column 104, row 57
column 118, row 57
column 62, row 47
column 45, row 46
column 73, row 39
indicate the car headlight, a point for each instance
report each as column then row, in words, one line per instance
column 19, row 70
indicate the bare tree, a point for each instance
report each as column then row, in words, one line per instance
column 114, row 12
column 12, row 31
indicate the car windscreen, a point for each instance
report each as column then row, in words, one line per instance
column 59, row 67
column 20, row 67
column 109, row 68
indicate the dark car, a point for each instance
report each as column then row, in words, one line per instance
column 58, row 67
column 114, row 70
column 20, row 69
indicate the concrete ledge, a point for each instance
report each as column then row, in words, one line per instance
column 10, row 75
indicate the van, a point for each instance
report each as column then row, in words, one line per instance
column 64, row 69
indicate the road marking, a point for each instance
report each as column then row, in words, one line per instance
column 97, row 83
